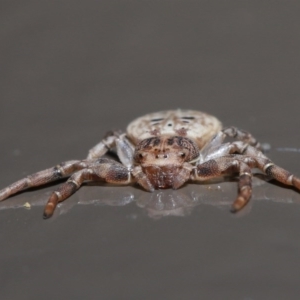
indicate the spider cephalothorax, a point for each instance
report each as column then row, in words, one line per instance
column 163, row 150
column 164, row 160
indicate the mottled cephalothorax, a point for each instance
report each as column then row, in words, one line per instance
column 166, row 160
column 163, row 150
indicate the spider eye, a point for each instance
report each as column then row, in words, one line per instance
column 182, row 154
column 140, row 155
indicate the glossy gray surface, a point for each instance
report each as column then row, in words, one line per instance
column 72, row 70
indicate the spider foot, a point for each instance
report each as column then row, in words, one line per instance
column 242, row 199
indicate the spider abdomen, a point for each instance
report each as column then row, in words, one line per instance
column 195, row 125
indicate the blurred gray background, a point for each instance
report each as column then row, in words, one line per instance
column 71, row 71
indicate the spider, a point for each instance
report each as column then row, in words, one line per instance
column 163, row 150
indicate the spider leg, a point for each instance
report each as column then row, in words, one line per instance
column 125, row 150
column 216, row 146
column 118, row 140
column 228, row 165
column 273, row 171
column 243, row 163
column 42, row 177
column 214, row 149
column 256, row 159
column 244, row 188
column 241, row 135
column 98, row 170
column 106, row 144
column 142, row 179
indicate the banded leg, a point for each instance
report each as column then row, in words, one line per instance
column 228, row 165
column 256, row 159
column 243, row 164
column 214, row 168
column 216, row 147
column 242, row 135
column 240, row 148
column 65, row 190
column 118, row 140
column 216, row 151
column 275, row 172
column 100, row 170
column 142, row 179
column 43, row 177
column 244, row 188
column 105, row 145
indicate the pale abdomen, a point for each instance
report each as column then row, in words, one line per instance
column 195, row 125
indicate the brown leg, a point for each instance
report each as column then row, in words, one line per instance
column 215, row 168
column 101, row 148
column 228, row 165
column 242, row 135
column 65, row 190
column 101, row 170
column 117, row 140
column 256, row 159
column 142, row 179
column 278, row 173
column 250, row 158
column 244, row 188
column 42, row 177
column 216, row 148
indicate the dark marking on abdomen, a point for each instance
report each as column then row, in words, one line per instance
column 188, row 118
